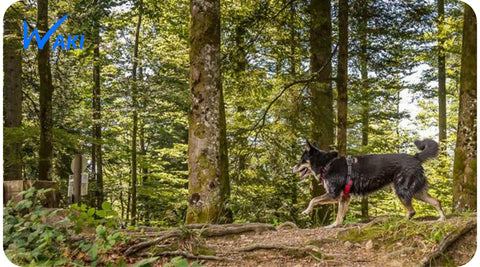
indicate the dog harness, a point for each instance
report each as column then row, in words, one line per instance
column 347, row 188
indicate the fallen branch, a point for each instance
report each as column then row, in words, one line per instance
column 446, row 242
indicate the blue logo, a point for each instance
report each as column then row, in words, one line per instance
column 71, row 41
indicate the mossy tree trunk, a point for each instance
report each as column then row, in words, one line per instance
column 321, row 89
column 465, row 162
column 12, row 94
column 208, row 186
column 342, row 74
column 46, row 93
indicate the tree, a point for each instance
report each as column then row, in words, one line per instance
column 208, row 185
column 97, row 160
column 442, row 96
column 46, row 92
column 365, row 101
column 12, row 94
column 465, row 162
column 135, row 114
column 321, row 90
column 342, row 74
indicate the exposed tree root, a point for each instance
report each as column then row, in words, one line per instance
column 148, row 243
column 187, row 255
column 446, row 242
column 212, row 230
column 308, row 250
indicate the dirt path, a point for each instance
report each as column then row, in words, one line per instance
column 388, row 242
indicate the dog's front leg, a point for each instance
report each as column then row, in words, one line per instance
column 323, row 199
column 342, row 210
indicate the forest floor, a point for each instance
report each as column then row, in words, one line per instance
column 384, row 241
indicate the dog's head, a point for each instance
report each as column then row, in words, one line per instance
column 312, row 160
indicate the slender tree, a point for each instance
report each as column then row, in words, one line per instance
column 365, row 101
column 465, row 162
column 342, row 73
column 321, row 89
column 135, row 114
column 208, row 185
column 97, row 160
column 46, row 93
column 12, row 94
column 442, row 98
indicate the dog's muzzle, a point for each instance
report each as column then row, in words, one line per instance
column 304, row 171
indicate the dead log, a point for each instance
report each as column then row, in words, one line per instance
column 446, row 242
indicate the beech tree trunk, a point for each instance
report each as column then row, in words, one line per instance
column 321, row 90
column 208, row 185
column 465, row 162
column 46, row 92
column 135, row 116
column 342, row 74
column 12, row 95
column 442, row 96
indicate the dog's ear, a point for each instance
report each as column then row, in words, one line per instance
column 309, row 146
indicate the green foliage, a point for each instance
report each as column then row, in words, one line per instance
column 26, row 236
column 34, row 235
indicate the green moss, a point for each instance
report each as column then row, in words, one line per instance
column 399, row 230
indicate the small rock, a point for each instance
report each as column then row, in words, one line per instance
column 369, row 244
column 348, row 244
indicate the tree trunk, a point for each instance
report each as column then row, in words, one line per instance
column 321, row 90
column 46, row 92
column 97, row 161
column 365, row 113
column 442, row 100
column 135, row 116
column 12, row 95
column 342, row 74
column 465, row 162
column 208, row 186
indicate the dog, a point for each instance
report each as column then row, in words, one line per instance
column 367, row 174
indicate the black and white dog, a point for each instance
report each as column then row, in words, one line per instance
column 368, row 173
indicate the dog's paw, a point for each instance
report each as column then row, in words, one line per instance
column 306, row 212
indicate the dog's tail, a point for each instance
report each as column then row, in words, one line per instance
column 429, row 149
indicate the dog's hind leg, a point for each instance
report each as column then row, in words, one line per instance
column 407, row 203
column 342, row 210
column 323, row 199
column 425, row 197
